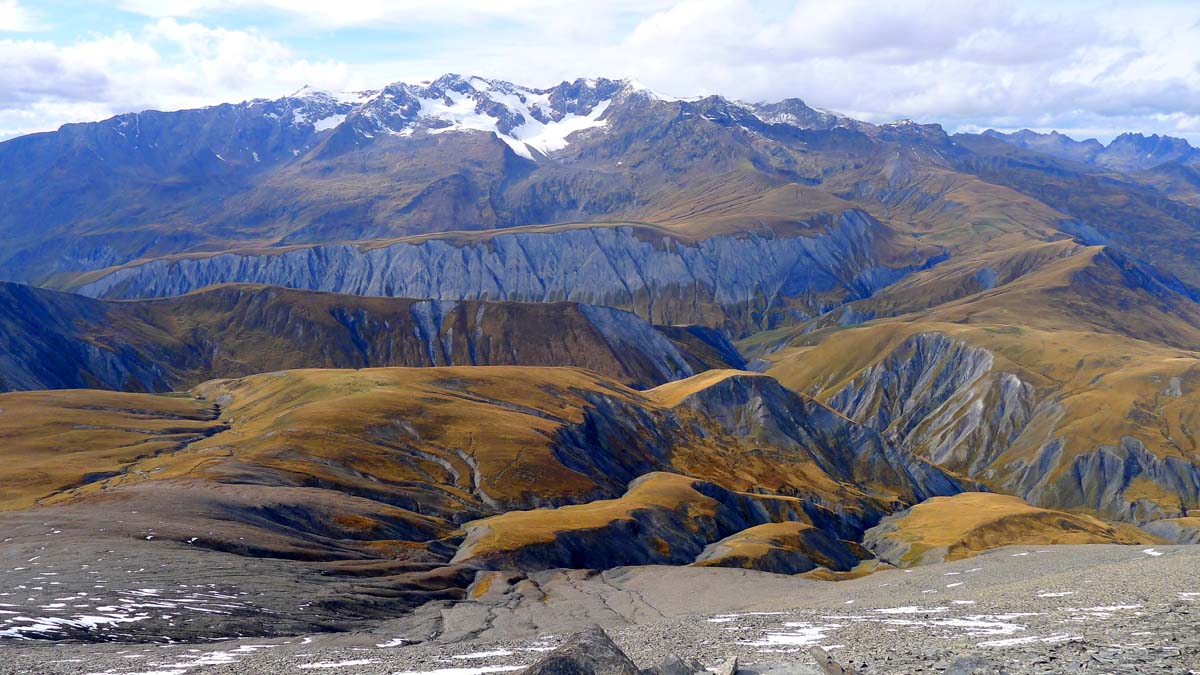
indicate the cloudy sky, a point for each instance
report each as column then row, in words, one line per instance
column 1091, row 69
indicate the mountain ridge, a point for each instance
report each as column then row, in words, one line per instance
column 55, row 340
column 1130, row 151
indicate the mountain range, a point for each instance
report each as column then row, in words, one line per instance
column 470, row 325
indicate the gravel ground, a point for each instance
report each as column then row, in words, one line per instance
column 1092, row 609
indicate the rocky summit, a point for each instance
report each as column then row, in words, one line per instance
column 465, row 376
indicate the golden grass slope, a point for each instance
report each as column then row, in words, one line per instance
column 431, row 448
column 481, row 435
column 962, row 526
column 53, row 441
column 672, row 394
column 663, row 517
column 788, row 548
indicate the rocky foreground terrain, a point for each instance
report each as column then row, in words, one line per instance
column 1059, row 609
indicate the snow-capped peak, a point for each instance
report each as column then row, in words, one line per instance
column 530, row 121
column 637, row 87
column 348, row 97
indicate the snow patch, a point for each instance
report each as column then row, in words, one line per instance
column 1050, row 639
column 483, row 655
column 326, row 123
column 803, row 634
column 337, row 664
column 461, row 113
column 547, row 138
column 395, row 642
column 464, row 671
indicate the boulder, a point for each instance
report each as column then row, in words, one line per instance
column 828, row 664
column 673, row 665
column 973, row 665
column 591, row 652
column 728, row 666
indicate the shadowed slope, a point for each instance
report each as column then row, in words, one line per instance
column 56, row 340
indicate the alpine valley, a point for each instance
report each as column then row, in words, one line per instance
column 465, row 362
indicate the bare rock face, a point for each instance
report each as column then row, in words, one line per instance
column 728, row 666
column 743, row 282
column 761, row 410
column 674, row 665
column 946, row 400
column 1178, row 530
column 931, row 393
column 591, row 652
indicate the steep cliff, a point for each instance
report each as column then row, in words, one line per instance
column 761, row 413
column 741, row 282
column 932, row 392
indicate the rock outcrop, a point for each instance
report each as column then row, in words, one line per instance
column 1177, row 530
column 591, row 652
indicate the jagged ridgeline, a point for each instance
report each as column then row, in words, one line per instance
column 469, row 325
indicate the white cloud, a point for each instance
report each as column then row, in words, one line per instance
column 969, row 64
column 16, row 18
column 326, row 14
column 167, row 65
